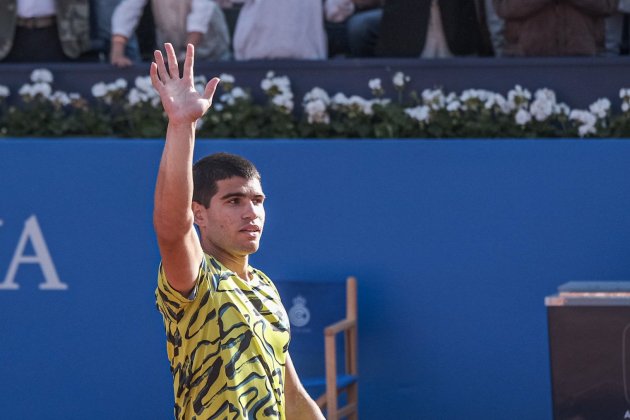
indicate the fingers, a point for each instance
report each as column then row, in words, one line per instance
column 172, row 60
column 160, row 67
column 155, row 80
column 211, row 87
column 189, row 62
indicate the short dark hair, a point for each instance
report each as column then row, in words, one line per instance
column 216, row 167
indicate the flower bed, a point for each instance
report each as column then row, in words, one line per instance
column 392, row 112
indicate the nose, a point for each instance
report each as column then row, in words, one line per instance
column 250, row 211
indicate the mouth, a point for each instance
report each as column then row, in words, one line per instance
column 251, row 229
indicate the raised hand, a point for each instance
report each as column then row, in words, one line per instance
column 182, row 103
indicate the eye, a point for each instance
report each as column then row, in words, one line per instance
column 234, row 201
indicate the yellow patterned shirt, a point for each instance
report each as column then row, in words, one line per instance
column 227, row 345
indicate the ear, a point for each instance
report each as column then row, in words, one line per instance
column 199, row 213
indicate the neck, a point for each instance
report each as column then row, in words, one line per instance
column 235, row 263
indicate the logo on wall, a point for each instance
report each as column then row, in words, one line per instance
column 299, row 315
column 32, row 234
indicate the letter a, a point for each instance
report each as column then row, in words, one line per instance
column 42, row 257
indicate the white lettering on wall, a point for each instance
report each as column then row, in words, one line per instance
column 41, row 256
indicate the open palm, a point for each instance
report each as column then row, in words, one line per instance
column 182, row 103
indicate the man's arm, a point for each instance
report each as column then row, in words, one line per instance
column 172, row 216
column 300, row 406
column 125, row 18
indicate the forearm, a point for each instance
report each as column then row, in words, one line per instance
column 302, row 407
column 174, row 188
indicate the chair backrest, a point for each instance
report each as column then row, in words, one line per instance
column 312, row 306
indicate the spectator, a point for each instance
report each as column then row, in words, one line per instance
column 496, row 29
column 618, row 30
column 43, row 30
column 433, row 29
column 354, row 25
column 283, row 28
column 101, row 30
column 179, row 22
column 554, row 27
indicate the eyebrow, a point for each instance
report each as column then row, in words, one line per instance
column 240, row 194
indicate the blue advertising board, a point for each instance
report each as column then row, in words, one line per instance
column 454, row 244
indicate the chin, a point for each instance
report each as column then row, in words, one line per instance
column 249, row 249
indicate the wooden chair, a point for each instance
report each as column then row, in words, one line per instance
column 347, row 382
column 319, row 312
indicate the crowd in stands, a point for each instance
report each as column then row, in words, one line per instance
column 125, row 31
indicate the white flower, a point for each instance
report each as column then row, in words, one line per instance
column 42, row 89
column 518, row 97
column 238, row 93
column 41, row 76
column 625, row 106
column 522, row 117
column 375, row 84
column 586, row 129
column 361, row 104
column 217, row 107
column 144, row 84
column 121, row 83
column 74, row 96
column 25, row 90
column 381, row 101
column 600, row 107
column 266, row 84
column 624, row 93
column 561, row 108
column 4, row 91
column 420, row 113
column 317, row 112
column 283, row 101
column 228, row 98
column 434, row 98
column 60, row 98
column 586, row 120
column 99, row 90
column 500, row 103
column 270, row 74
column 340, row 99
column 583, row 117
column 226, row 78
column 317, row 94
column 541, row 108
column 399, row 80
column 546, row 94
column 134, row 97
column 453, row 106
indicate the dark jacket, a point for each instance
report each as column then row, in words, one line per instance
column 554, row 27
column 73, row 25
column 405, row 22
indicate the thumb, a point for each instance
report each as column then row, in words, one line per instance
column 211, row 87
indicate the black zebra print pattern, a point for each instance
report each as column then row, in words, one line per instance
column 227, row 345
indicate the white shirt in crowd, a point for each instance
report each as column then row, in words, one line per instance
column 35, row 8
column 174, row 20
column 270, row 29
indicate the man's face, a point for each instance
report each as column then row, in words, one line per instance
column 233, row 223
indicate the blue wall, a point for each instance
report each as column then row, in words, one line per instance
column 455, row 244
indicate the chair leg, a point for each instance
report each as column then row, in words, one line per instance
column 353, row 398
